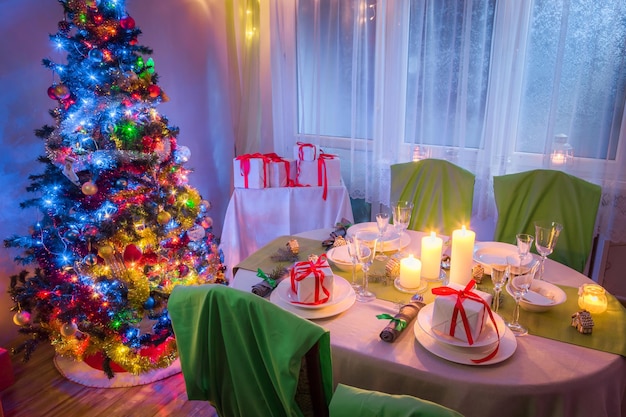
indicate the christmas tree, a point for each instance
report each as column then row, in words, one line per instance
column 119, row 226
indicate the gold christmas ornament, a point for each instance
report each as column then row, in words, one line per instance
column 89, row 188
column 164, row 217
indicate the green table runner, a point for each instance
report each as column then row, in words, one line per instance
column 609, row 331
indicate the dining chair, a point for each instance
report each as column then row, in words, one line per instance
column 442, row 194
column 543, row 194
column 249, row 357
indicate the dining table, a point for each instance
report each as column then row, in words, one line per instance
column 552, row 371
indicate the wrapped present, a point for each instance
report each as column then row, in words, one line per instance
column 6, row 376
column 312, row 282
column 251, row 171
column 460, row 312
column 305, row 151
column 325, row 172
column 282, row 171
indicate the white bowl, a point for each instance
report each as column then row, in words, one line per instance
column 541, row 297
column 340, row 258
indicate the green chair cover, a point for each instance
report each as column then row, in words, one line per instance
column 242, row 353
column 523, row 198
column 442, row 194
column 352, row 402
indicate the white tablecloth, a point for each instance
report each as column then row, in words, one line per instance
column 543, row 377
column 255, row 217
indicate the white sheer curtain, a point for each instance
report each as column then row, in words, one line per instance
column 486, row 84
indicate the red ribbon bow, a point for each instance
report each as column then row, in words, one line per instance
column 273, row 157
column 302, row 270
column 244, row 166
column 301, row 146
column 461, row 295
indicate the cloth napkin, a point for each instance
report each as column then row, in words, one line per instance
column 407, row 313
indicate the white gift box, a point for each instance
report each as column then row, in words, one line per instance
column 323, row 172
column 475, row 311
column 305, row 151
column 250, row 171
column 312, row 282
column 282, row 173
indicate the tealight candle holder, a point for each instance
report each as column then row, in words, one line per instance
column 410, row 280
column 592, row 297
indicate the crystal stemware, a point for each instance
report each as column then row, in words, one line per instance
column 365, row 250
column 524, row 242
column 520, row 279
column 402, row 211
column 352, row 252
column 499, row 275
column 546, row 235
column 382, row 221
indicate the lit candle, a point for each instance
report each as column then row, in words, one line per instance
column 410, row 271
column 461, row 256
column 592, row 298
column 558, row 158
column 431, row 256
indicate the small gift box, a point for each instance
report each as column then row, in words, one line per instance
column 460, row 312
column 282, row 171
column 251, row 171
column 305, row 151
column 312, row 281
column 6, row 376
column 325, row 171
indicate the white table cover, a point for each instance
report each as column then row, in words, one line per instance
column 543, row 378
column 255, row 217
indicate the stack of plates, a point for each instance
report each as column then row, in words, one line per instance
column 456, row 350
column 343, row 298
column 392, row 241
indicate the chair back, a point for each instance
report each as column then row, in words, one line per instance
column 442, row 194
column 240, row 352
column 523, row 198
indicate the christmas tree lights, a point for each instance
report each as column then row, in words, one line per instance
column 120, row 226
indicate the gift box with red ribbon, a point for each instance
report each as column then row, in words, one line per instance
column 460, row 312
column 324, row 172
column 312, row 282
column 251, row 171
column 305, row 151
column 282, row 171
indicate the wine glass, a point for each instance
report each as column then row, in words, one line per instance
column 365, row 252
column 546, row 235
column 401, row 216
column 499, row 275
column 524, row 242
column 382, row 221
column 520, row 278
column 352, row 252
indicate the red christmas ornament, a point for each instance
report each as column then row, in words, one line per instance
column 127, row 23
column 154, row 91
column 58, row 92
column 132, row 254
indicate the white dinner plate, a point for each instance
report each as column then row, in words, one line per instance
column 508, row 345
column 487, row 253
column 320, row 313
column 487, row 337
column 391, row 239
column 341, row 290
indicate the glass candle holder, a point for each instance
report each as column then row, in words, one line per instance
column 592, row 298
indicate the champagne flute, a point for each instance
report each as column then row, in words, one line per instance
column 546, row 235
column 521, row 278
column 382, row 221
column 524, row 242
column 402, row 211
column 365, row 250
column 499, row 275
column 352, row 252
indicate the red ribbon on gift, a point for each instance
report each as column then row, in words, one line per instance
column 302, row 270
column 273, row 157
column 462, row 295
column 244, row 166
column 302, row 146
column 322, row 177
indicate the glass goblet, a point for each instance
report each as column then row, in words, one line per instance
column 382, row 221
column 499, row 275
column 520, row 280
column 546, row 236
column 352, row 252
column 402, row 211
column 365, row 250
column 524, row 242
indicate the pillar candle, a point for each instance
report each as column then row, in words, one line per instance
column 410, row 271
column 431, row 256
column 461, row 257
